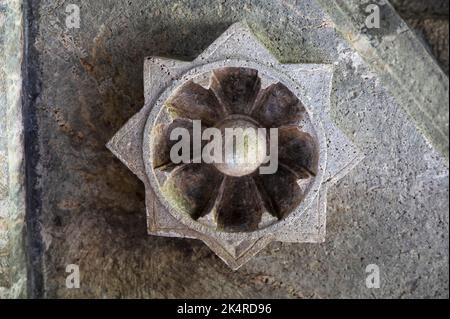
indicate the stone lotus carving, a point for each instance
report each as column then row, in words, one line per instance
column 236, row 82
column 234, row 196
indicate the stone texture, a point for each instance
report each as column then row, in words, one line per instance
column 392, row 210
column 430, row 21
column 435, row 33
column 420, row 87
column 420, row 8
column 173, row 84
column 12, row 191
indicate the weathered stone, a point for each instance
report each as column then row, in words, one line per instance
column 390, row 50
column 12, row 190
column 415, row 8
column 435, row 33
column 430, row 21
column 391, row 210
column 236, row 231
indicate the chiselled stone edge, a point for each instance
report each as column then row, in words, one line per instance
column 425, row 99
column 131, row 141
column 13, row 199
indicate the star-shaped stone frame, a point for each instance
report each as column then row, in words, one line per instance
column 311, row 83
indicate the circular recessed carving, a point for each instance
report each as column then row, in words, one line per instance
column 233, row 195
column 235, row 209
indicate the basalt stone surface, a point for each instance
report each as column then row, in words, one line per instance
column 435, row 33
column 13, row 276
column 392, row 210
column 420, row 88
column 430, row 20
column 238, row 204
column 419, row 8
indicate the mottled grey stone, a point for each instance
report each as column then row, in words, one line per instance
column 392, row 210
column 407, row 69
column 430, row 21
column 415, row 8
column 310, row 83
column 12, row 191
column 435, row 34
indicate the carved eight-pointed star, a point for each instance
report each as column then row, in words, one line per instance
column 237, row 82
